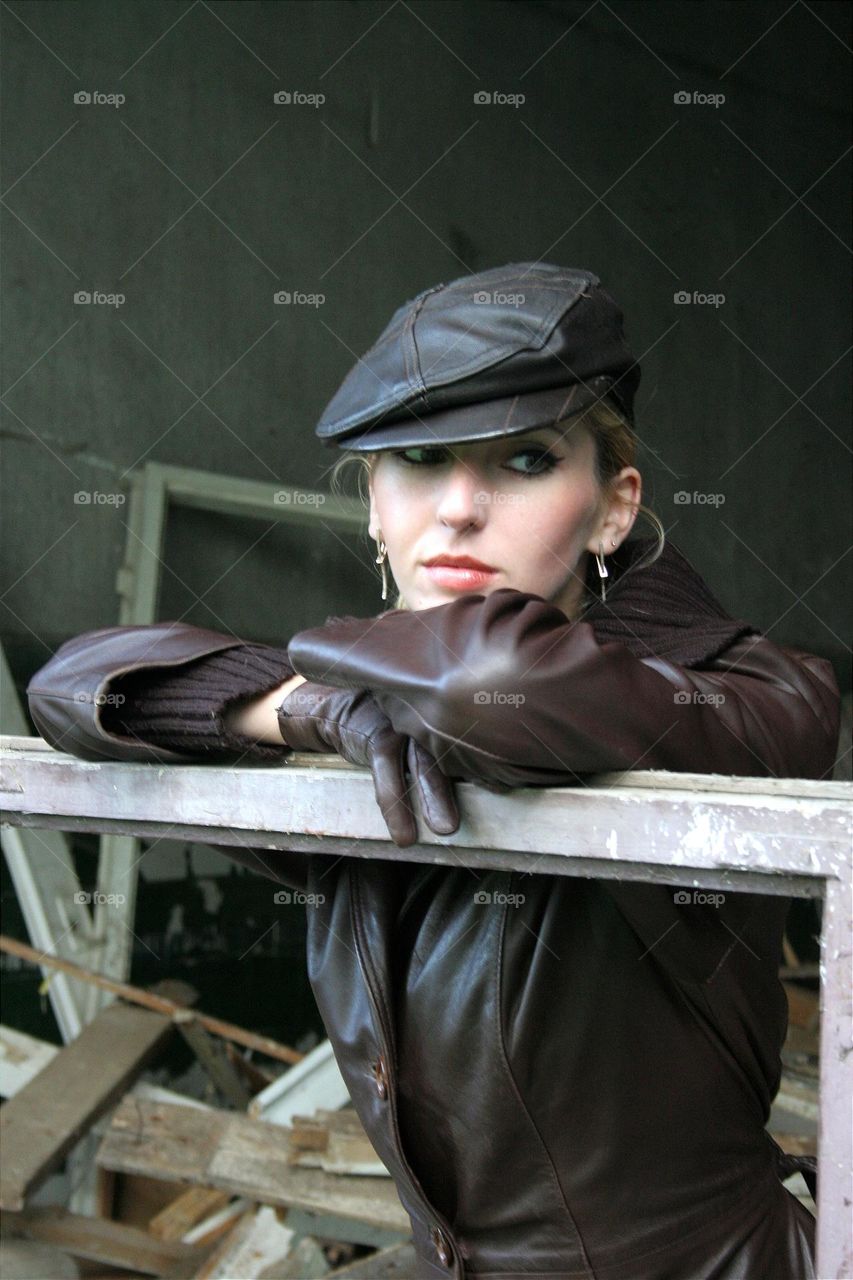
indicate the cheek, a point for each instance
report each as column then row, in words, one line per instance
column 559, row 527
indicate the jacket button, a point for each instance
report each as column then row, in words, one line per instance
column 442, row 1248
column 380, row 1077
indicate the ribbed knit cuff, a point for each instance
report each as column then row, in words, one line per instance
column 184, row 707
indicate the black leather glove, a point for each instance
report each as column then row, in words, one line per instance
column 321, row 717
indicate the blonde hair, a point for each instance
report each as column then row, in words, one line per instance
column 615, row 448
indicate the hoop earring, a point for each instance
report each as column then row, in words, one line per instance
column 602, row 567
column 380, row 560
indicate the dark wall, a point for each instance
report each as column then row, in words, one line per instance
column 199, row 197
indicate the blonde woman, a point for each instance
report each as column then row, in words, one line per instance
column 566, row 1077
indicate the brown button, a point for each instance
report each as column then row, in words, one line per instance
column 381, row 1077
column 442, row 1248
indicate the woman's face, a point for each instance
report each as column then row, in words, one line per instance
column 529, row 506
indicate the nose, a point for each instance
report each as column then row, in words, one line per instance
column 461, row 497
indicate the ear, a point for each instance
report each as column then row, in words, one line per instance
column 619, row 511
column 373, row 524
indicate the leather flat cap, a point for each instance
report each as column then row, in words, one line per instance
column 492, row 354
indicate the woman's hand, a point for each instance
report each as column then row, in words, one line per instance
column 318, row 717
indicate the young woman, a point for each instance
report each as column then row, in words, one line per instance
column 566, row 1077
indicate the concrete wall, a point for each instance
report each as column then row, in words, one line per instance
column 198, row 197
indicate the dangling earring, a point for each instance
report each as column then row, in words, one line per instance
column 602, row 567
column 380, row 559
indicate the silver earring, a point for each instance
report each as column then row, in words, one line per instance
column 380, row 560
column 602, row 568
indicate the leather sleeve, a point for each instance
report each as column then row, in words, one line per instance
column 69, row 694
column 504, row 689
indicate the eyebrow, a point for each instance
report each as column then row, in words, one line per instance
column 558, row 435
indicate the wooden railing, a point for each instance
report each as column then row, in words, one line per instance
column 775, row 836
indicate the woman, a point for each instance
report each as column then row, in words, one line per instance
column 567, row 1078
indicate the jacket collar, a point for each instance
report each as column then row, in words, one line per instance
column 664, row 609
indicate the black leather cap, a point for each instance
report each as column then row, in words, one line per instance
column 492, row 354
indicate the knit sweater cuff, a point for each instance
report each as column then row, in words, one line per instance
column 184, row 707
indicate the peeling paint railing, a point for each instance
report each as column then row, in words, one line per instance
column 776, row 836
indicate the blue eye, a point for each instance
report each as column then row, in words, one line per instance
column 545, row 461
column 422, row 449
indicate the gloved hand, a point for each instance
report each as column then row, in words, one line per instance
column 505, row 689
column 320, row 717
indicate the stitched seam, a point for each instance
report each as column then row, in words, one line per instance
column 522, row 1103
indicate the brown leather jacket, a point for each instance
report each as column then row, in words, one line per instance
column 573, row 1082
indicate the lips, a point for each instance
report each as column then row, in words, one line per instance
column 460, row 562
column 459, row 573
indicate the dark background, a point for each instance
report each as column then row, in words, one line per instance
column 199, row 197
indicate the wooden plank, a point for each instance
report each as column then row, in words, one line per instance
column 258, row 1241
column 22, row 1057
column 185, row 1211
column 335, row 1141
column 41, row 1124
column 773, row 836
column 113, row 1243
column 242, row 1156
column 212, row 1056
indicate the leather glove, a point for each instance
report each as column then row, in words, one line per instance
column 318, row 717
column 505, row 689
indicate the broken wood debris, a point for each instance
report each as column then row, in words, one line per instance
column 46, row 1118
column 336, row 1142
column 246, row 1157
column 136, row 995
